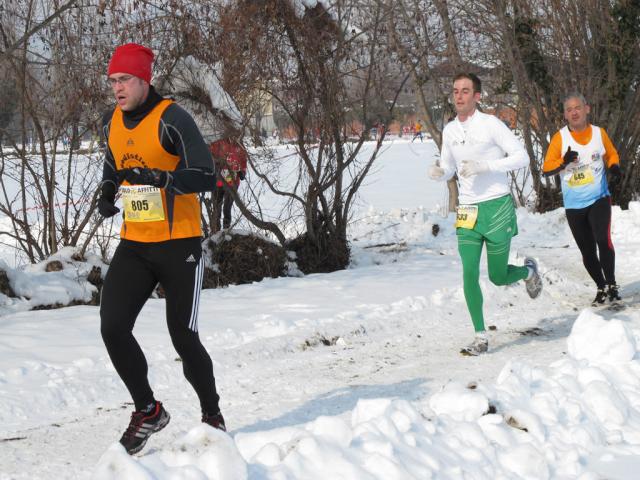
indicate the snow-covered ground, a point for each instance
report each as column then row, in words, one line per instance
column 354, row 374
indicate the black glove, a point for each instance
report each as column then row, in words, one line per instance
column 569, row 156
column 147, row 176
column 241, row 175
column 106, row 202
column 615, row 174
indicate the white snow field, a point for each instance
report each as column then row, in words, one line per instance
column 355, row 374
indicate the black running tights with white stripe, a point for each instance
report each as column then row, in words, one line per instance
column 591, row 229
column 135, row 270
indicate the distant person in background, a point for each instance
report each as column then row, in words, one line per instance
column 417, row 131
column 582, row 153
column 482, row 151
column 156, row 157
column 230, row 157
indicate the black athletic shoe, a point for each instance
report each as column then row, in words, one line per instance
column 612, row 293
column 141, row 426
column 216, row 421
column 601, row 297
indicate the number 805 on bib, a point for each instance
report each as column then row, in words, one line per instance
column 142, row 203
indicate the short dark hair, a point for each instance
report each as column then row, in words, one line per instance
column 477, row 84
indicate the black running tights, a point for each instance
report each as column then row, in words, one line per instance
column 591, row 228
column 224, row 203
column 134, row 272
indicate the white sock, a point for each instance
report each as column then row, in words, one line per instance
column 482, row 335
column 530, row 273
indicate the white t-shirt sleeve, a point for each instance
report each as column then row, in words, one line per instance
column 516, row 155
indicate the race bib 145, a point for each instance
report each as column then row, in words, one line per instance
column 581, row 176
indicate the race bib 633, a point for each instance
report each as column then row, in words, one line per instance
column 466, row 216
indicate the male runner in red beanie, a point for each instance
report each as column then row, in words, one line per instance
column 157, row 158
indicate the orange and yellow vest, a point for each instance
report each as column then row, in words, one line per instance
column 141, row 147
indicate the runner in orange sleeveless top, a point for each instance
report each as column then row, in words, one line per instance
column 158, row 160
column 582, row 154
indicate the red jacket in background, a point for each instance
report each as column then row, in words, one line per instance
column 230, row 158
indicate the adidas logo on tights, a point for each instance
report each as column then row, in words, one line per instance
column 190, row 258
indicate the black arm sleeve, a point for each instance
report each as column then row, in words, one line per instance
column 180, row 136
column 109, row 166
column 553, row 172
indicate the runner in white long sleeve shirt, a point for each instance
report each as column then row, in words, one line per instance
column 482, row 150
column 483, row 140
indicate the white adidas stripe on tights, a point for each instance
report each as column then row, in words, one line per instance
column 197, row 285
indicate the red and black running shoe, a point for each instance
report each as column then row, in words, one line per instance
column 216, row 421
column 142, row 425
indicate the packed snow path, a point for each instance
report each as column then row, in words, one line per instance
column 290, row 351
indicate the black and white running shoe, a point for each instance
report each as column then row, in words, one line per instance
column 142, row 425
column 479, row 346
column 613, row 292
column 534, row 282
column 601, row 297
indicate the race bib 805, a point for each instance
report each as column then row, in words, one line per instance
column 142, row 203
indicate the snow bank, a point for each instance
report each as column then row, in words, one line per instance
column 597, row 340
column 35, row 286
column 202, row 453
column 578, row 418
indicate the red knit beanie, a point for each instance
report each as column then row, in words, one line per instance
column 133, row 59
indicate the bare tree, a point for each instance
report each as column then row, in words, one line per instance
column 46, row 199
column 324, row 70
column 10, row 44
column 543, row 50
column 331, row 74
column 56, row 69
column 422, row 35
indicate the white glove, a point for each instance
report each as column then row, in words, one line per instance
column 473, row 167
column 436, row 172
column 571, row 167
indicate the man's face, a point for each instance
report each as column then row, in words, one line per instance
column 129, row 90
column 575, row 113
column 464, row 98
